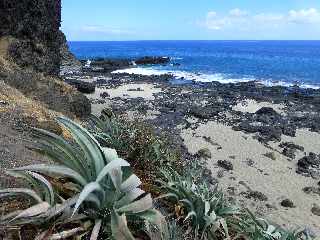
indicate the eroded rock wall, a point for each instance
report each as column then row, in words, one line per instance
column 30, row 57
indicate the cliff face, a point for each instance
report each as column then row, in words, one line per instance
column 30, row 58
column 35, row 26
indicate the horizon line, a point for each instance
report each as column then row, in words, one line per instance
column 204, row 40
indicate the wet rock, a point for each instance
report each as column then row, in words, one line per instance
column 287, row 203
column 315, row 210
column 204, row 153
column 152, row 60
column 227, row 165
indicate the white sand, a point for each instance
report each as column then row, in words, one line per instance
column 251, row 106
column 275, row 178
column 147, row 91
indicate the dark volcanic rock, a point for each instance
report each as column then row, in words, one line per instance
column 204, row 153
column 255, row 195
column 266, row 111
column 289, row 149
column 315, row 210
column 267, row 133
column 309, row 165
column 289, row 152
column 292, row 146
column 104, row 95
column 82, row 86
column 35, row 26
column 287, row 203
column 225, row 164
column 312, row 190
column 152, row 60
column 108, row 65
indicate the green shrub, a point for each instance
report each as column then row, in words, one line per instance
column 253, row 228
column 135, row 142
column 207, row 210
column 105, row 190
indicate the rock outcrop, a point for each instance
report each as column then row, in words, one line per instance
column 30, row 57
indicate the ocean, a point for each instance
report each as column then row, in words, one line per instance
column 269, row 62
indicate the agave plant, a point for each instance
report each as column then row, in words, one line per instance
column 105, row 189
column 207, row 210
column 251, row 227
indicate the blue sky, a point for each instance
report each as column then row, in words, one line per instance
column 103, row 20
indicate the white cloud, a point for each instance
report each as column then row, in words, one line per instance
column 241, row 20
column 304, row 16
column 237, row 12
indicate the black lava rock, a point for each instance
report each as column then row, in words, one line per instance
column 82, row 86
column 225, row 164
column 266, row 111
column 287, row 203
column 152, row 60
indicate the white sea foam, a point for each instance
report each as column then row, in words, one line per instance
column 199, row 77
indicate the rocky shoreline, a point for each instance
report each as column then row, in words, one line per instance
column 279, row 125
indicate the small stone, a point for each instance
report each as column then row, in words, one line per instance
column 287, row 203
column 225, row 164
column 3, row 102
column 104, row 95
column 256, row 195
column 204, row 153
column 289, row 152
column 271, row 155
column 250, row 162
column 266, row 111
column 315, row 210
column 220, row 174
column 311, row 190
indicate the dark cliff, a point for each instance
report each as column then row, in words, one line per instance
column 35, row 24
column 30, row 58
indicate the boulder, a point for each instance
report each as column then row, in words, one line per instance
column 152, row 60
column 82, row 86
column 227, row 165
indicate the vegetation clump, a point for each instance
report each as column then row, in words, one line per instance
column 136, row 142
column 105, row 194
column 89, row 191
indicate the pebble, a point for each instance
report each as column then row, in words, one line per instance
column 226, row 165
column 271, row 155
column 287, row 203
column 204, row 153
column 315, row 210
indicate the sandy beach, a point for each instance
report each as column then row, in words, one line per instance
column 254, row 174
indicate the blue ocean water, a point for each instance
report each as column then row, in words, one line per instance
column 271, row 62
